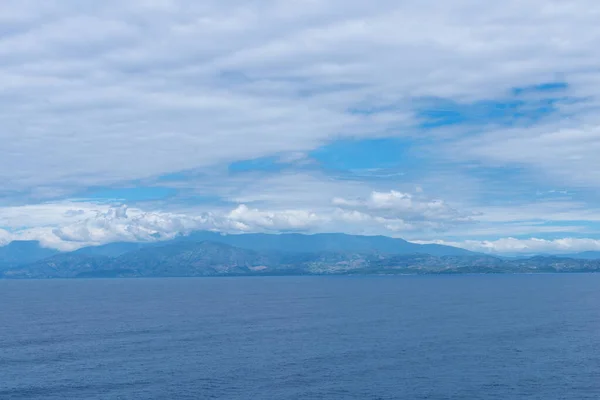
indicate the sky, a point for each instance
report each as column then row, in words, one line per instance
column 469, row 123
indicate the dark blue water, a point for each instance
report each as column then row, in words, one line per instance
column 462, row 337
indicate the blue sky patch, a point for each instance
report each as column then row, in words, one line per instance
column 516, row 107
column 548, row 87
column 367, row 154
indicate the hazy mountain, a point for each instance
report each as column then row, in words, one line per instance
column 190, row 259
column 586, row 255
column 25, row 252
column 65, row 265
column 21, row 252
column 111, row 249
column 171, row 259
column 336, row 242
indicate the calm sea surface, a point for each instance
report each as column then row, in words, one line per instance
column 458, row 337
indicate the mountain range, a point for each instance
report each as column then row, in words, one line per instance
column 20, row 252
column 213, row 254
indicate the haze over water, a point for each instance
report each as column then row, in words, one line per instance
column 429, row 337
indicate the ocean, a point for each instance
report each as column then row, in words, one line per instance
column 397, row 337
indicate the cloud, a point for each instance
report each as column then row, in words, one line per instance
column 528, row 246
column 5, row 237
column 245, row 219
column 69, row 225
column 119, row 223
column 409, row 207
column 109, row 92
column 563, row 151
column 117, row 93
column 47, row 214
column 559, row 211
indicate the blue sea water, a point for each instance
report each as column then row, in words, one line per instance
column 433, row 337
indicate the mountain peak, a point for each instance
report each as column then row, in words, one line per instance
column 24, row 251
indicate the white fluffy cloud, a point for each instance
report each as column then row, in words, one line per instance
column 411, row 208
column 248, row 220
column 119, row 224
column 69, row 225
column 5, row 237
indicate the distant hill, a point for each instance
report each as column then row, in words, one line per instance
column 191, row 259
column 21, row 252
column 213, row 254
column 24, row 252
column 65, row 265
column 586, row 255
column 337, row 242
column 175, row 259
column 111, row 249
column 197, row 259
